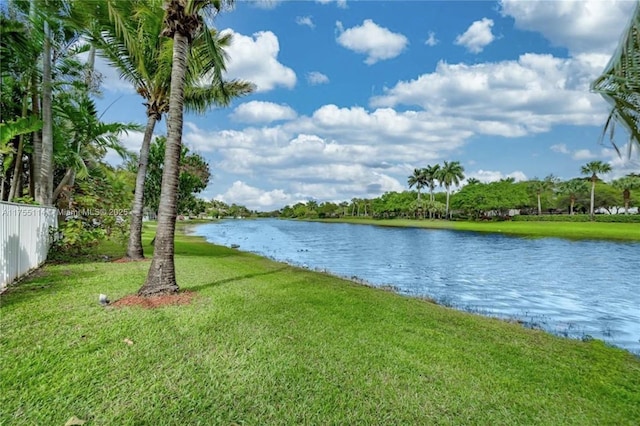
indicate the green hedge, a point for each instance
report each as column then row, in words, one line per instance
column 619, row 218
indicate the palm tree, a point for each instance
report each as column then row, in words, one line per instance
column 572, row 188
column 451, row 173
column 417, row 179
column 542, row 186
column 183, row 21
column 431, row 176
column 626, row 184
column 128, row 39
column 472, row 181
column 593, row 168
column 619, row 83
column 81, row 137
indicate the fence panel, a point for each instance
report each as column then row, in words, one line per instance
column 24, row 239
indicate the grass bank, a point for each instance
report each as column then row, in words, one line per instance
column 266, row 343
column 573, row 230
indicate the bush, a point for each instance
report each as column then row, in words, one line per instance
column 75, row 236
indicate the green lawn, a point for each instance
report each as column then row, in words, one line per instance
column 574, row 230
column 265, row 343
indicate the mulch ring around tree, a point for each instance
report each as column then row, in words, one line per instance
column 152, row 302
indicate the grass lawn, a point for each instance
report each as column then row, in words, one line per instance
column 266, row 343
column 575, row 230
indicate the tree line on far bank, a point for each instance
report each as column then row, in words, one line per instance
column 476, row 200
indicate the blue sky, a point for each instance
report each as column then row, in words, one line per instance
column 353, row 95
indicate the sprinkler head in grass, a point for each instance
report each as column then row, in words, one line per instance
column 103, row 299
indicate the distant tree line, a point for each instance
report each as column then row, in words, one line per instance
column 476, row 200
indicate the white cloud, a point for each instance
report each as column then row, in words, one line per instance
column 494, row 176
column 110, row 77
column 265, row 4
column 560, row 148
column 508, row 98
column 254, row 198
column 477, row 36
column 627, row 162
column 262, row 112
column 432, row 40
column 592, row 26
column 255, row 58
column 305, row 20
column 342, row 4
column 377, row 42
column 132, row 142
column 583, row 154
column 314, row 78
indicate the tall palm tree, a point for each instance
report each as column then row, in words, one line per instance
column 183, row 22
column 431, row 176
column 451, row 173
column 626, row 184
column 593, row 168
column 127, row 36
column 572, row 188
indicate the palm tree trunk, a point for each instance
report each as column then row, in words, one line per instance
column 34, row 176
column 446, row 214
column 539, row 206
column 593, row 199
column 134, row 248
column 626, row 195
column 571, row 203
column 46, row 167
column 162, row 273
column 17, row 166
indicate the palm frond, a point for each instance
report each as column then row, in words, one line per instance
column 199, row 98
column 619, row 84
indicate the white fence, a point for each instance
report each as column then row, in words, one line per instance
column 24, row 239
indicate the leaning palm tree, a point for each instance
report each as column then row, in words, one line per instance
column 626, row 184
column 619, row 84
column 593, row 168
column 127, row 35
column 572, row 188
column 451, row 173
column 185, row 24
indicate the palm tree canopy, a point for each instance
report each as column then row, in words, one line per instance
column 573, row 187
column 594, row 168
column 417, row 179
column 619, row 84
column 451, row 173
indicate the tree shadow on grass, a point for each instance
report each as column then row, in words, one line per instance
column 238, row 278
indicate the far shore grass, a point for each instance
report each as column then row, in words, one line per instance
column 264, row 343
column 572, row 230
